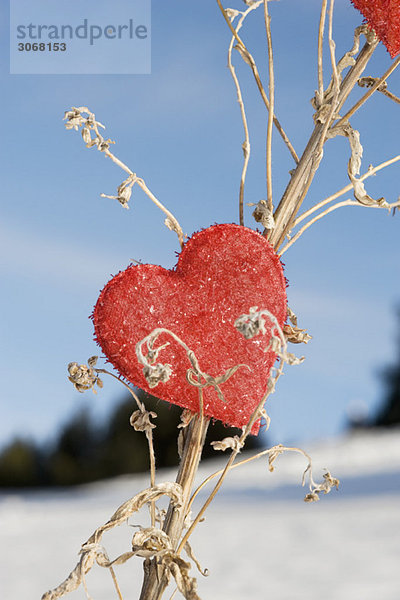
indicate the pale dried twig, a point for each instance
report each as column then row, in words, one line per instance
column 370, row 81
column 370, row 172
column 91, row 549
column 250, row 325
column 369, row 93
column 248, row 58
column 320, row 93
column 83, row 117
column 272, row 454
column 246, row 143
column 325, row 213
column 271, row 87
column 159, row 373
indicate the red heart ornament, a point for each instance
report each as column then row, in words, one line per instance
column 384, row 17
column 221, row 273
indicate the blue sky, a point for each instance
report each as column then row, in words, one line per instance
column 179, row 128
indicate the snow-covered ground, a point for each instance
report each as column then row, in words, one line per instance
column 259, row 540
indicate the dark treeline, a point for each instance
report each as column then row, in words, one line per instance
column 85, row 451
column 388, row 414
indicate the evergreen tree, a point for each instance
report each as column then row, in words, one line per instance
column 389, row 413
column 85, row 452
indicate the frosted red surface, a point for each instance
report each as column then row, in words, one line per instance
column 384, row 17
column 221, row 272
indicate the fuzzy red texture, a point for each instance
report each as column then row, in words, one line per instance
column 221, row 272
column 384, row 17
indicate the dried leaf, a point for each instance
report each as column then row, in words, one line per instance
column 233, row 443
column 296, row 335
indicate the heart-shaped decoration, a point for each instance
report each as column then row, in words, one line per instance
column 221, row 273
column 384, row 17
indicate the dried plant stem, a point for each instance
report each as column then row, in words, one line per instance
column 155, row 580
column 246, row 431
column 117, row 588
column 324, row 214
column 320, row 52
column 246, row 143
column 245, row 52
column 149, row 436
column 390, row 96
column 140, row 182
column 271, row 87
column 371, row 171
column 268, row 452
column 75, row 120
column 304, row 173
column 369, row 93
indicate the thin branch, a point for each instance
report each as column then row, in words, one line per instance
column 320, row 52
column 326, row 212
column 149, row 436
column 171, row 221
column 369, row 82
column 369, row 93
column 335, row 81
column 75, row 120
column 244, row 462
column 371, row 171
column 271, row 87
column 115, row 581
column 283, row 355
column 249, row 58
column 390, row 96
column 246, row 143
column 303, row 174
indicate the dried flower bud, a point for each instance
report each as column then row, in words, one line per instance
column 311, row 497
column 263, row 214
column 83, row 377
column 140, row 420
column 331, row 481
column 74, row 118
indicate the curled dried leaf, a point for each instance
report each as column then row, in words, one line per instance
column 150, row 542
column 91, row 548
column 292, row 317
column 295, row 335
column 179, row 569
column 233, row 443
column 263, row 214
column 140, row 420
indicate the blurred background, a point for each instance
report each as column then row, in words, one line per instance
column 179, row 128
